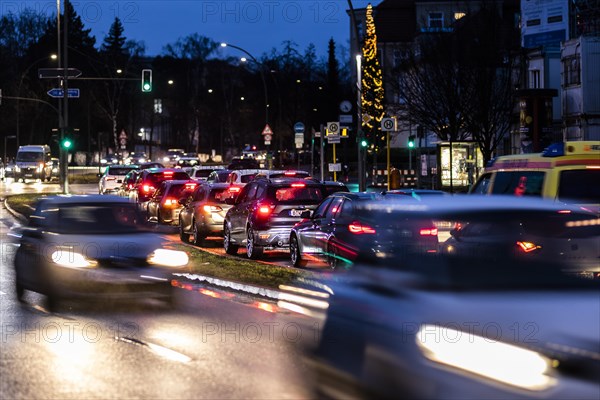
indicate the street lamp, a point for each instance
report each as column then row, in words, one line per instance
column 51, row 56
column 359, row 135
column 262, row 75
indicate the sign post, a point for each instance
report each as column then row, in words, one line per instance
column 388, row 125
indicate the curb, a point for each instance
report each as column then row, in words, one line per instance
column 14, row 213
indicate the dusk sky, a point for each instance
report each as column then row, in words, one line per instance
column 255, row 25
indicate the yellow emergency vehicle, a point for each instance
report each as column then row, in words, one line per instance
column 567, row 172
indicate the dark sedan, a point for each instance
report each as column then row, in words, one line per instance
column 164, row 206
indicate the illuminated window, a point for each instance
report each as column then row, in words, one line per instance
column 458, row 15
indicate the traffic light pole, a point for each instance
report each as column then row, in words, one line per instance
column 64, row 152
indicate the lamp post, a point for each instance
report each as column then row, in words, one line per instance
column 359, row 133
column 51, row 56
column 262, row 76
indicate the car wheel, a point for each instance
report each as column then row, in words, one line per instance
column 252, row 250
column 198, row 237
column 185, row 237
column 295, row 254
column 229, row 247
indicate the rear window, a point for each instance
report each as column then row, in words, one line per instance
column 160, row 176
column 181, row 190
column 202, row 173
column 519, row 183
column 119, row 170
column 576, row 186
column 296, row 195
column 247, row 178
column 218, row 195
column 289, row 175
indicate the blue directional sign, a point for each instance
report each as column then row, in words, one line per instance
column 58, row 93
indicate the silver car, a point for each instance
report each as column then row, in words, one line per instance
column 93, row 247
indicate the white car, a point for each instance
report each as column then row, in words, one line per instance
column 202, row 172
column 112, row 178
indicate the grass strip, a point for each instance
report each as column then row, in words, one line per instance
column 23, row 203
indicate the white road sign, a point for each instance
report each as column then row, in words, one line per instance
column 333, row 128
column 388, row 124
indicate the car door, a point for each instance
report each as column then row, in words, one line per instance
column 194, row 208
column 327, row 225
column 309, row 231
column 154, row 202
column 239, row 212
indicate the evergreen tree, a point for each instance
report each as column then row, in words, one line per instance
column 372, row 83
column 114, row 42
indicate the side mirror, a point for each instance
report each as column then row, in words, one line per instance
column 306, row 214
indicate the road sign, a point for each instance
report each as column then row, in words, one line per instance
column 318, row 134
column 267, row 130
column 335, row 167
column 333, row 139
column 388, row 124
column 267, row 142
column 345, row 119
column 333, row 128
column 298, row 127
column 59, row 93
column 366, row 118
column 53, row 73
column 268, row 138
column 345, row 106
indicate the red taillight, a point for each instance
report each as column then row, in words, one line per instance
column 130, row 186
column 264, row 210
column 170, row 202
column 564, row 211
column 168, row 174
column 211, row 209
column 111, row 178
column 528, row 247
column 428, row 232
column 289, row 173
column 234, row 189
column 359, row 228
column 298, row 185
column 190, row 186
column 147, row 188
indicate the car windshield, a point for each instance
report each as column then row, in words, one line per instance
column 101, row 218
column 299, row 194
column 30, row 156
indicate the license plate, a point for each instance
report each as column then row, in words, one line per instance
column 295, row 213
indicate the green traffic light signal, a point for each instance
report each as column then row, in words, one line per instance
column 411, row 142
column 363, row 143
column 146, row 80
column 67, row 144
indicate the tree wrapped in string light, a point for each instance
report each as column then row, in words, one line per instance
column 372, row 95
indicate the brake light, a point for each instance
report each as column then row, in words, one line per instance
column 264, row 210
column 528, row 247
column 428, row 232
column 211, row 209
column 190, row 186
column 298, row 185
column 170, row 202
column 564, row 211
column 234, row 189
column 111, row 178
column 168, row 173
column 359, row 228
column 147, row 188
column 130, row 186
column 289, row 173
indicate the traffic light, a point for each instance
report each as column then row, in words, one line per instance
column 66, row 143
column 146, row 80
column 364, row 143
column 411, row 141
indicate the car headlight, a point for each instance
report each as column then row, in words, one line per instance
column 495, row 360
column 71, row 259
column 17, row 169
column 168, row 258
column 166, row 159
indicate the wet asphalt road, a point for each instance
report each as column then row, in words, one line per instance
column 204, row 348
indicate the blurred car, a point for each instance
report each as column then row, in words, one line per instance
column 164, row 206
column 202, row 172
column 109, row 159
column 416, row 193
column 9, row 170
column 93, row 247
column 243, row 163
column 172, row 156
column 218, row 176
column 148, row 165
column 290, row 173
column 148, row 181
column 136, row 158
column 112, row 178
column 342, row 230
column 204, row 212
column 188, row 160
column 55, row 175
column 265, row 211
column 128, row 182
column 462, row 326
column 332, row 187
